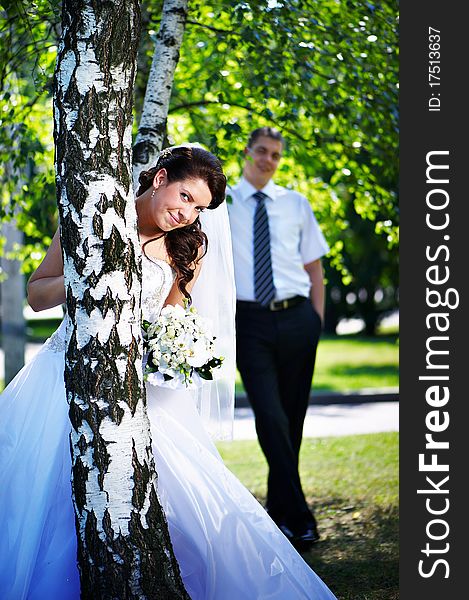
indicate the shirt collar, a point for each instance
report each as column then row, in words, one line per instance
column 246, row 189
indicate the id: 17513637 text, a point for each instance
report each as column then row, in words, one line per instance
column 434, row 69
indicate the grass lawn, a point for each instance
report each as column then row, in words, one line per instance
column 353, row 362
column 350, row 362
column 352, row 484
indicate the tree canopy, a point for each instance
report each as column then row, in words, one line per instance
column 324, row 73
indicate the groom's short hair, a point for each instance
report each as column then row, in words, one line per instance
column 267, row 132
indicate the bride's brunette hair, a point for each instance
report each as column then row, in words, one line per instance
column 183, row 244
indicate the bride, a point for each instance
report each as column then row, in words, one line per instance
column 226, row 545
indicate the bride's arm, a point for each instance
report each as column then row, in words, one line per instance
column 46, row 284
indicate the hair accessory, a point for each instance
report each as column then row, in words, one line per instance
column 166, row 153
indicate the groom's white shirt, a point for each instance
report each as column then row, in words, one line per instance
column 295, row 238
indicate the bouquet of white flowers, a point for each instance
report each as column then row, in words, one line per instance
column 179, row 347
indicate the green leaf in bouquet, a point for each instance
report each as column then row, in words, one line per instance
column 204, row 374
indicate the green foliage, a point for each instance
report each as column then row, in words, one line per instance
column 27, row 52
column 324, row 73
column 315, row 71
column 369, row 269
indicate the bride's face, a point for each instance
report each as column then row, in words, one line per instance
column 178, row 204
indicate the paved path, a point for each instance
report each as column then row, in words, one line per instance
column 332, row 420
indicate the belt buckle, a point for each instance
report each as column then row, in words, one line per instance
column 281, row 305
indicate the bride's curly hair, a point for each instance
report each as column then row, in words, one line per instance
column 183, row 244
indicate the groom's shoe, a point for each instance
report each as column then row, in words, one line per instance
column 287, row 532
column 306, row 538
column 302, row 539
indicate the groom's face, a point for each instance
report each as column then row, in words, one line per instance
column 263, row 158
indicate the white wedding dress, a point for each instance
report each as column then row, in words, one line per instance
column 227, row 546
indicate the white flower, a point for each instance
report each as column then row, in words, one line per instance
column 180, row 345
column 199, row 354
column 171, row 332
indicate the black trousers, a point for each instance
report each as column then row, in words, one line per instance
column 276, row 351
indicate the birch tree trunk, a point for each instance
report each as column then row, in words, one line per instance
column 124, row 549
column 152, row 126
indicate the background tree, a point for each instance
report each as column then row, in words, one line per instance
column 124, row 547
column 325, row 73
column 28, row 45
column 12, row 295
column 152, row 129
column 27, row 202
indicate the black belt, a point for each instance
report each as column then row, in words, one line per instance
column 274, row 305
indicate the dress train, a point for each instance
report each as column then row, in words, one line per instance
column 227, row 546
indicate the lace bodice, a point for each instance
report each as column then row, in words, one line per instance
column 157, row 278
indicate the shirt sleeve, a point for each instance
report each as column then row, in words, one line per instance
column 313, row 244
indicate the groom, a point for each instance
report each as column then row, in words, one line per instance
column 277, row 249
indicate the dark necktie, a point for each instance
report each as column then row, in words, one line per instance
column 264, row 289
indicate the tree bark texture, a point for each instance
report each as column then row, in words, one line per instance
column 124, row 549
column 152, row 126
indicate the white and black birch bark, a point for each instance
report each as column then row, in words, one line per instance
column 124, row 549
column 152, row 126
